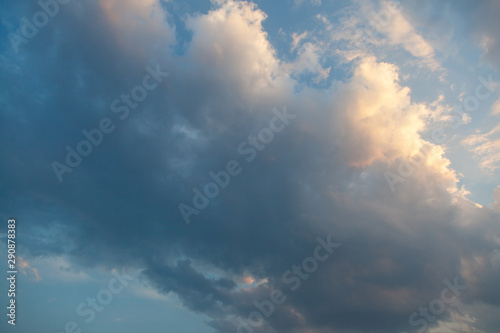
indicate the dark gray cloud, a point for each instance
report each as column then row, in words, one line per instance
column 119, row 208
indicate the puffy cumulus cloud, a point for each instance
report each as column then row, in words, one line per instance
column 139, row 26
column 230, row 46
column 376, row 120
column 321, row 175
column 486, row 146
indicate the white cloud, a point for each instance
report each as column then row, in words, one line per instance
column 313, row 2
column 297, row 38
column 230, row 45
column 376, row 119
column 378, row 26
column 486, row 147
column 392, row 22
column 309, row 59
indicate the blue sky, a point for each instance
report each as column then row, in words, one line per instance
column 209, row 150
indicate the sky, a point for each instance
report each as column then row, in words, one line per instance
column 298, row 166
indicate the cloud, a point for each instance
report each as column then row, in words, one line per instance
column 309, row 61
column 485, row 29
column 323, row 175
column 496, row 198
column 231, row 39
column 495, row 109
column 373, row 27
column 313, row 2
column 60, row 269
column 400, row 32
column 26, row 269
column 297, row 38
column 486, row 147
column 377, row 120
column 140, row 27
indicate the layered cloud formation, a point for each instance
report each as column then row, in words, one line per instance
column 358, row 96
